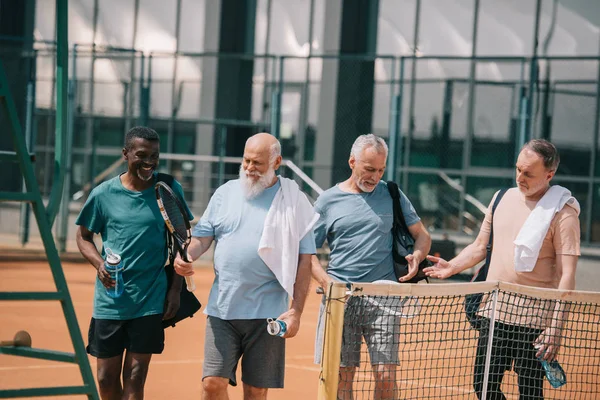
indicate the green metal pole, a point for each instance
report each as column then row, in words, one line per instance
column 62, row 77
column 63, row 221
column 30, row 142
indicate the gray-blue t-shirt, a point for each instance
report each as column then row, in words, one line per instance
column 244, row 287
column 358, row 229
column 130, row 225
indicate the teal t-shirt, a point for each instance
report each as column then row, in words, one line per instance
column 358, row 229
column 244, row 286
column 131, row 225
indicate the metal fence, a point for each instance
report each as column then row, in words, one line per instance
column 454, row 124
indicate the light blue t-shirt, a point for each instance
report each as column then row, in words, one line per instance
column 130, row 225
column 244, row 287
column 358, row 229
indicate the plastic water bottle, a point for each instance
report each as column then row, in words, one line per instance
column 276, row 327
column 554, row 373
column 114, row 267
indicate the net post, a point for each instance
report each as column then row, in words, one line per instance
column 332, row 341
column 488, row 353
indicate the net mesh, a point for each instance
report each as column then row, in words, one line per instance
column 389, row 351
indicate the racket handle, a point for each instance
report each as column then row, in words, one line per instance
column 189, row 283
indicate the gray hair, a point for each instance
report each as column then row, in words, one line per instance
column 546, row 150
column 364, row 142
column 275, row 151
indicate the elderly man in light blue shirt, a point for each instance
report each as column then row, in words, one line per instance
column 246, row 291
column 356, row 219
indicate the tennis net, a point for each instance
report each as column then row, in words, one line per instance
column 458, row 341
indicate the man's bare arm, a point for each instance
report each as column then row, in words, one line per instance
column 549, row 341
column 87, row 247
column 422, row 241
column 467, row 258
column 318, row 273
column 292, row 316
column 197, row 247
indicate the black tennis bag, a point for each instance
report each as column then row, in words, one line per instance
column 188, row 303
column 473, row 301
column 402, row 241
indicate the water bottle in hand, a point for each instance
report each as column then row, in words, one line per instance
column 276, row 327
column 114, row 267
column 554, row 372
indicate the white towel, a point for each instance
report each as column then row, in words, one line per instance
column 531, row 236
column 290, row 217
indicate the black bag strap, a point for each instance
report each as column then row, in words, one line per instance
column 166, row 178
column 398, row 214
column 482, row 273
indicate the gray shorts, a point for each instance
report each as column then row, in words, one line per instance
column 362, row 319
column 263, row 355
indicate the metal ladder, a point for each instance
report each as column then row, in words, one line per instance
column 44, row 219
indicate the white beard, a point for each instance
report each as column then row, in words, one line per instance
column 252, row 188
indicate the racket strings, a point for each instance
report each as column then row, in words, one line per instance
column 174, row 214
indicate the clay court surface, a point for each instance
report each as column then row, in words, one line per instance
column 175, row 374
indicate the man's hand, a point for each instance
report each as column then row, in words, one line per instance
column 105, row 277
column 441, row 269
column 292, row 320
column 548, row 344
column 183, row 268
column 172, row 302
column 413, row 268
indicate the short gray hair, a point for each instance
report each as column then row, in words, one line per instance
column 275, row 151
column 546, row 150
column 365, row 141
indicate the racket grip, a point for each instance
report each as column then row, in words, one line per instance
column 189, row 283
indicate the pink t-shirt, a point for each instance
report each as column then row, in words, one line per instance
column 563, row 237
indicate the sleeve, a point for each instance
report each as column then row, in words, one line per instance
column 91, row 216
column 307, row 244
column 206, row 226
column 320, row 228
column 410, row 215
column 487, row 221
column 566, row 239
column 178, row 190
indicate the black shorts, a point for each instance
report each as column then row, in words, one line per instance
column 109, row 338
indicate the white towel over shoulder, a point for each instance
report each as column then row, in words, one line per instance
column 531, row 236
column 290, row 217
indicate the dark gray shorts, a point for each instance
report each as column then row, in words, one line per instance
column 263, row 355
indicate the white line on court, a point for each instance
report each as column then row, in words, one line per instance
column 158, row 362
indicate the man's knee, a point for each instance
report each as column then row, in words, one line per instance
column 254, row 393
column 385, row 374
column 109, row 379
column 135, row 378
column 214, row 384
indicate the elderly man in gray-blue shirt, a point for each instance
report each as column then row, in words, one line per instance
column 247, row 290
column 356, row 219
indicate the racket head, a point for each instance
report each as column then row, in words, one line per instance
column 173, row 214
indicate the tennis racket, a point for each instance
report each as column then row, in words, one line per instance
column 177, row 223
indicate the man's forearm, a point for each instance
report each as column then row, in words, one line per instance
column 302, row 283
column 468, row 257
column 318, row 273
column 199, row 246
column 89, row 251
column 422, row 247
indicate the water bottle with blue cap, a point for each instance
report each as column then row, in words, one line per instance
column 114, row 267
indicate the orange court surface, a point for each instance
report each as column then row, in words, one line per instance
column 175, row 374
